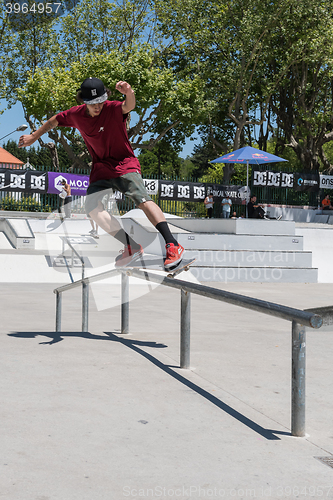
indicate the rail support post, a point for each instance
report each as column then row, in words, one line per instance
column 58, row 311
column 124, row 303
column 185, row 329
column 85, row 306
column 298, row 380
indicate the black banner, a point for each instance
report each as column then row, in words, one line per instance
column 267, row 178
column 181, row 191
column 237, row 193
column 23, row 181
column 196, row 191
column 293, row 180
column 306, row 182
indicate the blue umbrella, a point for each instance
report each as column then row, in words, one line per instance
column 250, row 156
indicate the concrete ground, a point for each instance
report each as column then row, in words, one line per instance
column 103, row 416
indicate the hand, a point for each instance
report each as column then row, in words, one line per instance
column 123, row 87
column 26, row 140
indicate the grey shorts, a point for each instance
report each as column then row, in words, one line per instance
column 130, row 185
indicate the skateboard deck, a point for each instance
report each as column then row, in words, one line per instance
column 183, row 266
column 156, row 262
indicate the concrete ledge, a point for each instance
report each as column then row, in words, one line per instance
column 250, row 258
column 240, row 242
column 6, row 214
column 321, row 219
column 236, row 226
column 19, row 232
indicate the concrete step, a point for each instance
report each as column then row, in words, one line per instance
column 255, row 274
column 250, row 258
column 240, row 242
column 236, row 226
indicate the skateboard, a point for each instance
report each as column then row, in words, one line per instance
column 183, row 266
column 156, row 262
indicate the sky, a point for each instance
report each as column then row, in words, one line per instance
column 14, row 117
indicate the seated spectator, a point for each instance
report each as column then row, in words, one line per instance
column 254, row 210
column 326, row 203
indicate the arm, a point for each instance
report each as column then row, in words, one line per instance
column 27, row 140
column 129, row 103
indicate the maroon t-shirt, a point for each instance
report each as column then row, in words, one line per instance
column 106, row 138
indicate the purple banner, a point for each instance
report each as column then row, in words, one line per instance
column 78, row 183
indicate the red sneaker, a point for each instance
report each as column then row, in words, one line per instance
column 174, row 255
column 128, row 255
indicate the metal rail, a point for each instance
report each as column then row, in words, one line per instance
column 299, row 319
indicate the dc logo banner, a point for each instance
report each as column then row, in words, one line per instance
column 199, row 192
column 167, row 190
column 259, row 178
column 273, row 179
column 263, row 178
column 36, row 182
column 180, row 191
column 287, row 180
column 17, row 182
column 183, row 192
column 26, row 181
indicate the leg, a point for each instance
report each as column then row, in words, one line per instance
column 174, row 251
column 103, row 219
column 153, row 212
column 68, row 207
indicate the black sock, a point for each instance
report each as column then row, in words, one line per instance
column 124, row 238
column 163, row 228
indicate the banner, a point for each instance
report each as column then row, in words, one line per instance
column 292, row 180
column 306, row 182
column 237, row 193
column 151, row 185
column 196, row 191
column 181, row 191
column 78, row 183
column 19, row 181
column 326, row 181
column 267, row 178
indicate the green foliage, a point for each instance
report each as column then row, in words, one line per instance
column 25, row 204
column 163, row 101
column 223, row 67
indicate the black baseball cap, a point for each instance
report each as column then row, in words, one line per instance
column 93, row 91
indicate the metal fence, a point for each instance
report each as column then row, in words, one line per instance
column 299, row 319
column 50, row 202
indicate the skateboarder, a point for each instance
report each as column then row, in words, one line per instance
column 102, row 124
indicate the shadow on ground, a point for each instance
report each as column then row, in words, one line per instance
column 137, row 346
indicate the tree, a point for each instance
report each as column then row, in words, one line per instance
column 161, row 161
column 303, row 103
column 244, row 51
column 164, row 102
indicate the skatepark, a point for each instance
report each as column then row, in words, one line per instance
column 99, row 414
